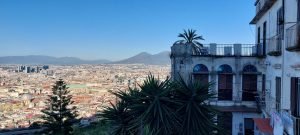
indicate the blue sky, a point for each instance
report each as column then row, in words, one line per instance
column 116, row 29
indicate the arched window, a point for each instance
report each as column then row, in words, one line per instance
column 225, row 82
column 200, row 74
column 250, row 68
column 249, row 83
column 200, row 68
column 224, row 69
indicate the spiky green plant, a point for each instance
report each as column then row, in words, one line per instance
column 117, row 114
column 151, row 105
column 164, row 107
column 196, row 115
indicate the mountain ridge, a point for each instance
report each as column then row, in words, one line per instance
column 161, row 58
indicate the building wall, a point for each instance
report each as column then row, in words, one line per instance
column 238, row 121
column 183, row 64
column 280, row 66
column 290, row 58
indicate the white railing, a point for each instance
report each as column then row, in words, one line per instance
column 228, row 50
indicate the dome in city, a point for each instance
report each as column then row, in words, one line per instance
column 27, row 96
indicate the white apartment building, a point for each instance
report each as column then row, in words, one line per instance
column 258, row 85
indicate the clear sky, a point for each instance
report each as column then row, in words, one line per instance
column 116, row 29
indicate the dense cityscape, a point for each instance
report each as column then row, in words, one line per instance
column 23, row 89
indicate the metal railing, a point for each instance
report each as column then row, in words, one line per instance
column 296, row 124
column 292, row 38
column 275, row 45
column 267, row 102
column 252, row 50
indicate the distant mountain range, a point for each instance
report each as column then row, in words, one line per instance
column 146, row 58
column 141, row 58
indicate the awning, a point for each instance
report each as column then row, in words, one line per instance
column 263, row 125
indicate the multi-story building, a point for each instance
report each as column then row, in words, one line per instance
column 257, row 85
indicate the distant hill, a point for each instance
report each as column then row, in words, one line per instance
column 39, row 59
column 141, row 58
column 148, row 59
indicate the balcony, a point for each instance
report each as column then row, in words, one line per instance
column 275, row 45
column 229, row 50
column 292, row 38
column 267, row 104
column 296, row 122
column 262, row 6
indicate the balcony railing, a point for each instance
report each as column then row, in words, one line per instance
column 292, row 38
column 267, row 103
column 296, row 123
column 275, row 45
column 229, row 50
column 262, row 6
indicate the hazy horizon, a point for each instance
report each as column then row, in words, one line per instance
column 83, row 58
column 114, row 30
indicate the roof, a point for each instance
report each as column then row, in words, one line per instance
column 263, row 124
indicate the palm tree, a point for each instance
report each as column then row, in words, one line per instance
column 191, row 38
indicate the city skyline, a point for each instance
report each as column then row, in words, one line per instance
column 115, row 30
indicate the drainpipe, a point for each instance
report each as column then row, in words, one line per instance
column 283, row 52
column 298, row 11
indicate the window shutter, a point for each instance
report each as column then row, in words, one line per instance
column 222, row 81
column 229, row 81
column 293, row 95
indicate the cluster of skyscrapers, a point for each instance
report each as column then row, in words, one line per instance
column 32, row 69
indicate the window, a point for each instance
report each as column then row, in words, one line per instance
column 249, row 69
column 249, row 126
column 225, row 82
column 224, row 119
column 264, row 37
column 295, row 96
column 200, row 74
column 280, row 23
column 263, row 88
column 249, row 83
column 295, row 101
column 200, row 68
column 258, row 35
column 278, row 93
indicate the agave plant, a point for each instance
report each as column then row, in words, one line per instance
column 191, row 38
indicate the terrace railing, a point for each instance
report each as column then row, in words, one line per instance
column 292, row 38
column 229, row 50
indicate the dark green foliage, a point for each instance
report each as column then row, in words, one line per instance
column 119, row 118
column 59, row 116
column 197, row 117
column 163, row 108
column 191, row 38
